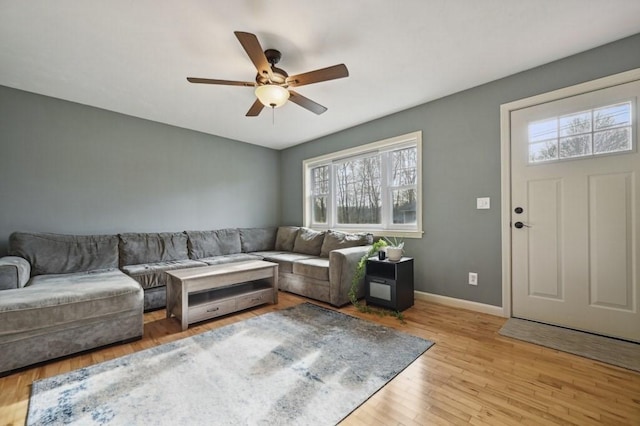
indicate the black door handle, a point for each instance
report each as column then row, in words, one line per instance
column 521, row 225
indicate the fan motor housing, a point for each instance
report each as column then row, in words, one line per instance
column 279, row 75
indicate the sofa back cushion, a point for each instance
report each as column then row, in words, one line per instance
column 334, row 240
column 65, row 254
column 257, row 239
column 286, row 238
column 308, row 241
column 213, row 243
column 137, row 248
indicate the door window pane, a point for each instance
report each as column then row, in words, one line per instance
column 575, row 146
column 575, row 124
column 612, row 116
column 543, row 151
column 614, row 140
column 543, row 130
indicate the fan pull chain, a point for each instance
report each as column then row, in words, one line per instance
column 273, row 115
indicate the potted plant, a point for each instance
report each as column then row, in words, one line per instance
column 394, row 249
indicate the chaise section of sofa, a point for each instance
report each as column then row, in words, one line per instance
column 58, row 315
column 67, row 296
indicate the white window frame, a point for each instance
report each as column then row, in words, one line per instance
column 387, row 228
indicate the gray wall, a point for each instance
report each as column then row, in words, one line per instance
column 461, row 161
column 69, row 168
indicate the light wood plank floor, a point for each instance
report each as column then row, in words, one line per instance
column 471, row 376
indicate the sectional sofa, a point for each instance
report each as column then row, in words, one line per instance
column 62, row 294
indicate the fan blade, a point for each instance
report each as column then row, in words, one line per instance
column 252, row 46
column 255, row 109
column 307, row 103
column 324, row 74
column 224, row 82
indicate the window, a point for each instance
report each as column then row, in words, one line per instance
column 320, row 179
column 602, row 130
column 374, row 188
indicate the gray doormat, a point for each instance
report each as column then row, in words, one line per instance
column 608, row 350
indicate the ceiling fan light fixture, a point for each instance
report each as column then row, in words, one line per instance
column 271, row 95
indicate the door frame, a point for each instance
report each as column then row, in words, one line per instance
column 505, row 160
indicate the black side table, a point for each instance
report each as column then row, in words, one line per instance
column 389, row 284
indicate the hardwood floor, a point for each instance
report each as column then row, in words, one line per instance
column 471, row 375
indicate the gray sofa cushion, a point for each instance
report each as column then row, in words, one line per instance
column 151, row 275
column 335, row 240
column 264, row 254
column 213, row 243
column 284, row 260
column 257, row 239
column 138, row 248
column 286, row 237
column 63, row 254
column 308, row 241
column 317, row 268
column 229, row 258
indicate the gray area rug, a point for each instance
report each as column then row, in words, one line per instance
column 608, row 350
column 304, row 365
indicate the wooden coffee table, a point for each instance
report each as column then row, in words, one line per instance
column 197, row 294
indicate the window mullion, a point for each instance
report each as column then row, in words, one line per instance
column 331, row 205
column 384, row 188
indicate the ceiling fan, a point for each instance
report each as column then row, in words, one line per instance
column 272, row 85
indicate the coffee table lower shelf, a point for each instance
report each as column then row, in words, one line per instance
column 198, row 294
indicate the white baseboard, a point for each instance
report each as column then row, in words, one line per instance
column 460, row 303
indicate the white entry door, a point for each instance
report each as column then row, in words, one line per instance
column 575, row 212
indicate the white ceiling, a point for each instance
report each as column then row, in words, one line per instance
column 133, row 56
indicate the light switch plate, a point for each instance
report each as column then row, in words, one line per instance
column 483, row 203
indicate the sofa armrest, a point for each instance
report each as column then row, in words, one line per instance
column 342, row 269
column 14, row 272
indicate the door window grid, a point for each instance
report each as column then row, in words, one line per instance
column 601, row 130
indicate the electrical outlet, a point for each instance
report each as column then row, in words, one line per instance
column 473, row 278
